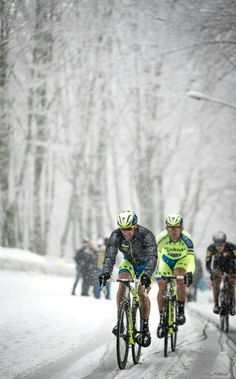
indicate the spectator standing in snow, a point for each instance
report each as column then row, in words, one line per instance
column 101, row 247
column 85, row 259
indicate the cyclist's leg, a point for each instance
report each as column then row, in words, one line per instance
column 180, row 269
column 126, row 271
column 181, row 295
column 145, row 305
column 163, row 269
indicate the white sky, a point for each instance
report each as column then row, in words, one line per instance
column 46, row 332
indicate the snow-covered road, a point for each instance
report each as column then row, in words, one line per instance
column 47, row 333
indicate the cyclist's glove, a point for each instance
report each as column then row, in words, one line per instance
column 145, row 280
column 103, row 278
column 188, row 279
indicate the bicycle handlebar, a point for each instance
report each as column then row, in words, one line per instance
column 158, row 277
column 124, row 280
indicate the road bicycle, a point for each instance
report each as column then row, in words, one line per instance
column 170, row 311
column 224, row 304
column 129, row 323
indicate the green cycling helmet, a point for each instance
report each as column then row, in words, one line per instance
column 174, row 220
column 127, row 219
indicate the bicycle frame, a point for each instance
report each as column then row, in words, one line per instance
column 170, row 295
column 170, row 310
column 135, row 300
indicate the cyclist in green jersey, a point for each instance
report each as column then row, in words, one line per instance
column 175, row 257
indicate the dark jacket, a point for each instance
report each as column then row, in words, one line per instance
column 142, row 248
column 86, row 259
column 225, row 261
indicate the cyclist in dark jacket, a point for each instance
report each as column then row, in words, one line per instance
column 138, row 246
column 220, row 258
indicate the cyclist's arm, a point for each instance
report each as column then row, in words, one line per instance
column 151, row 250
column 209, row 260
column 229, row 260
column 111, row 252
column 191, row 265
column 160, row 241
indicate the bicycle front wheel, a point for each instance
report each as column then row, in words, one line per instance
column 166, row 327
column 137, row 330
column 174, row 325
column 122, row 337
column 224, row 311
column 227, row 323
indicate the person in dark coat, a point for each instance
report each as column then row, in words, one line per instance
column 101, row 247
column 197, row 277
column 85, row 259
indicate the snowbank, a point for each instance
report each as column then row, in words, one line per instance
column 22, row 260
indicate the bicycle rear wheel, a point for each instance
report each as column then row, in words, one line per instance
column 174, row 325
column 165, row 323
column 137, row 329
column 122, row 338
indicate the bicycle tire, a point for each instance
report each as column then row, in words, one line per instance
column 122, row 337
column 222, row 322
column 224, row 310
column 227, row 323
column 166, row 324
column 175, row 327
column 137, row 328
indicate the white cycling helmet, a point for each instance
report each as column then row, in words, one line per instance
column 127, row 219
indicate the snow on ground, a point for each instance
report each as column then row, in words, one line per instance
column 46, row 332
column 44, row 322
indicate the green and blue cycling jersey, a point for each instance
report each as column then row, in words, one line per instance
column 171, row 255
